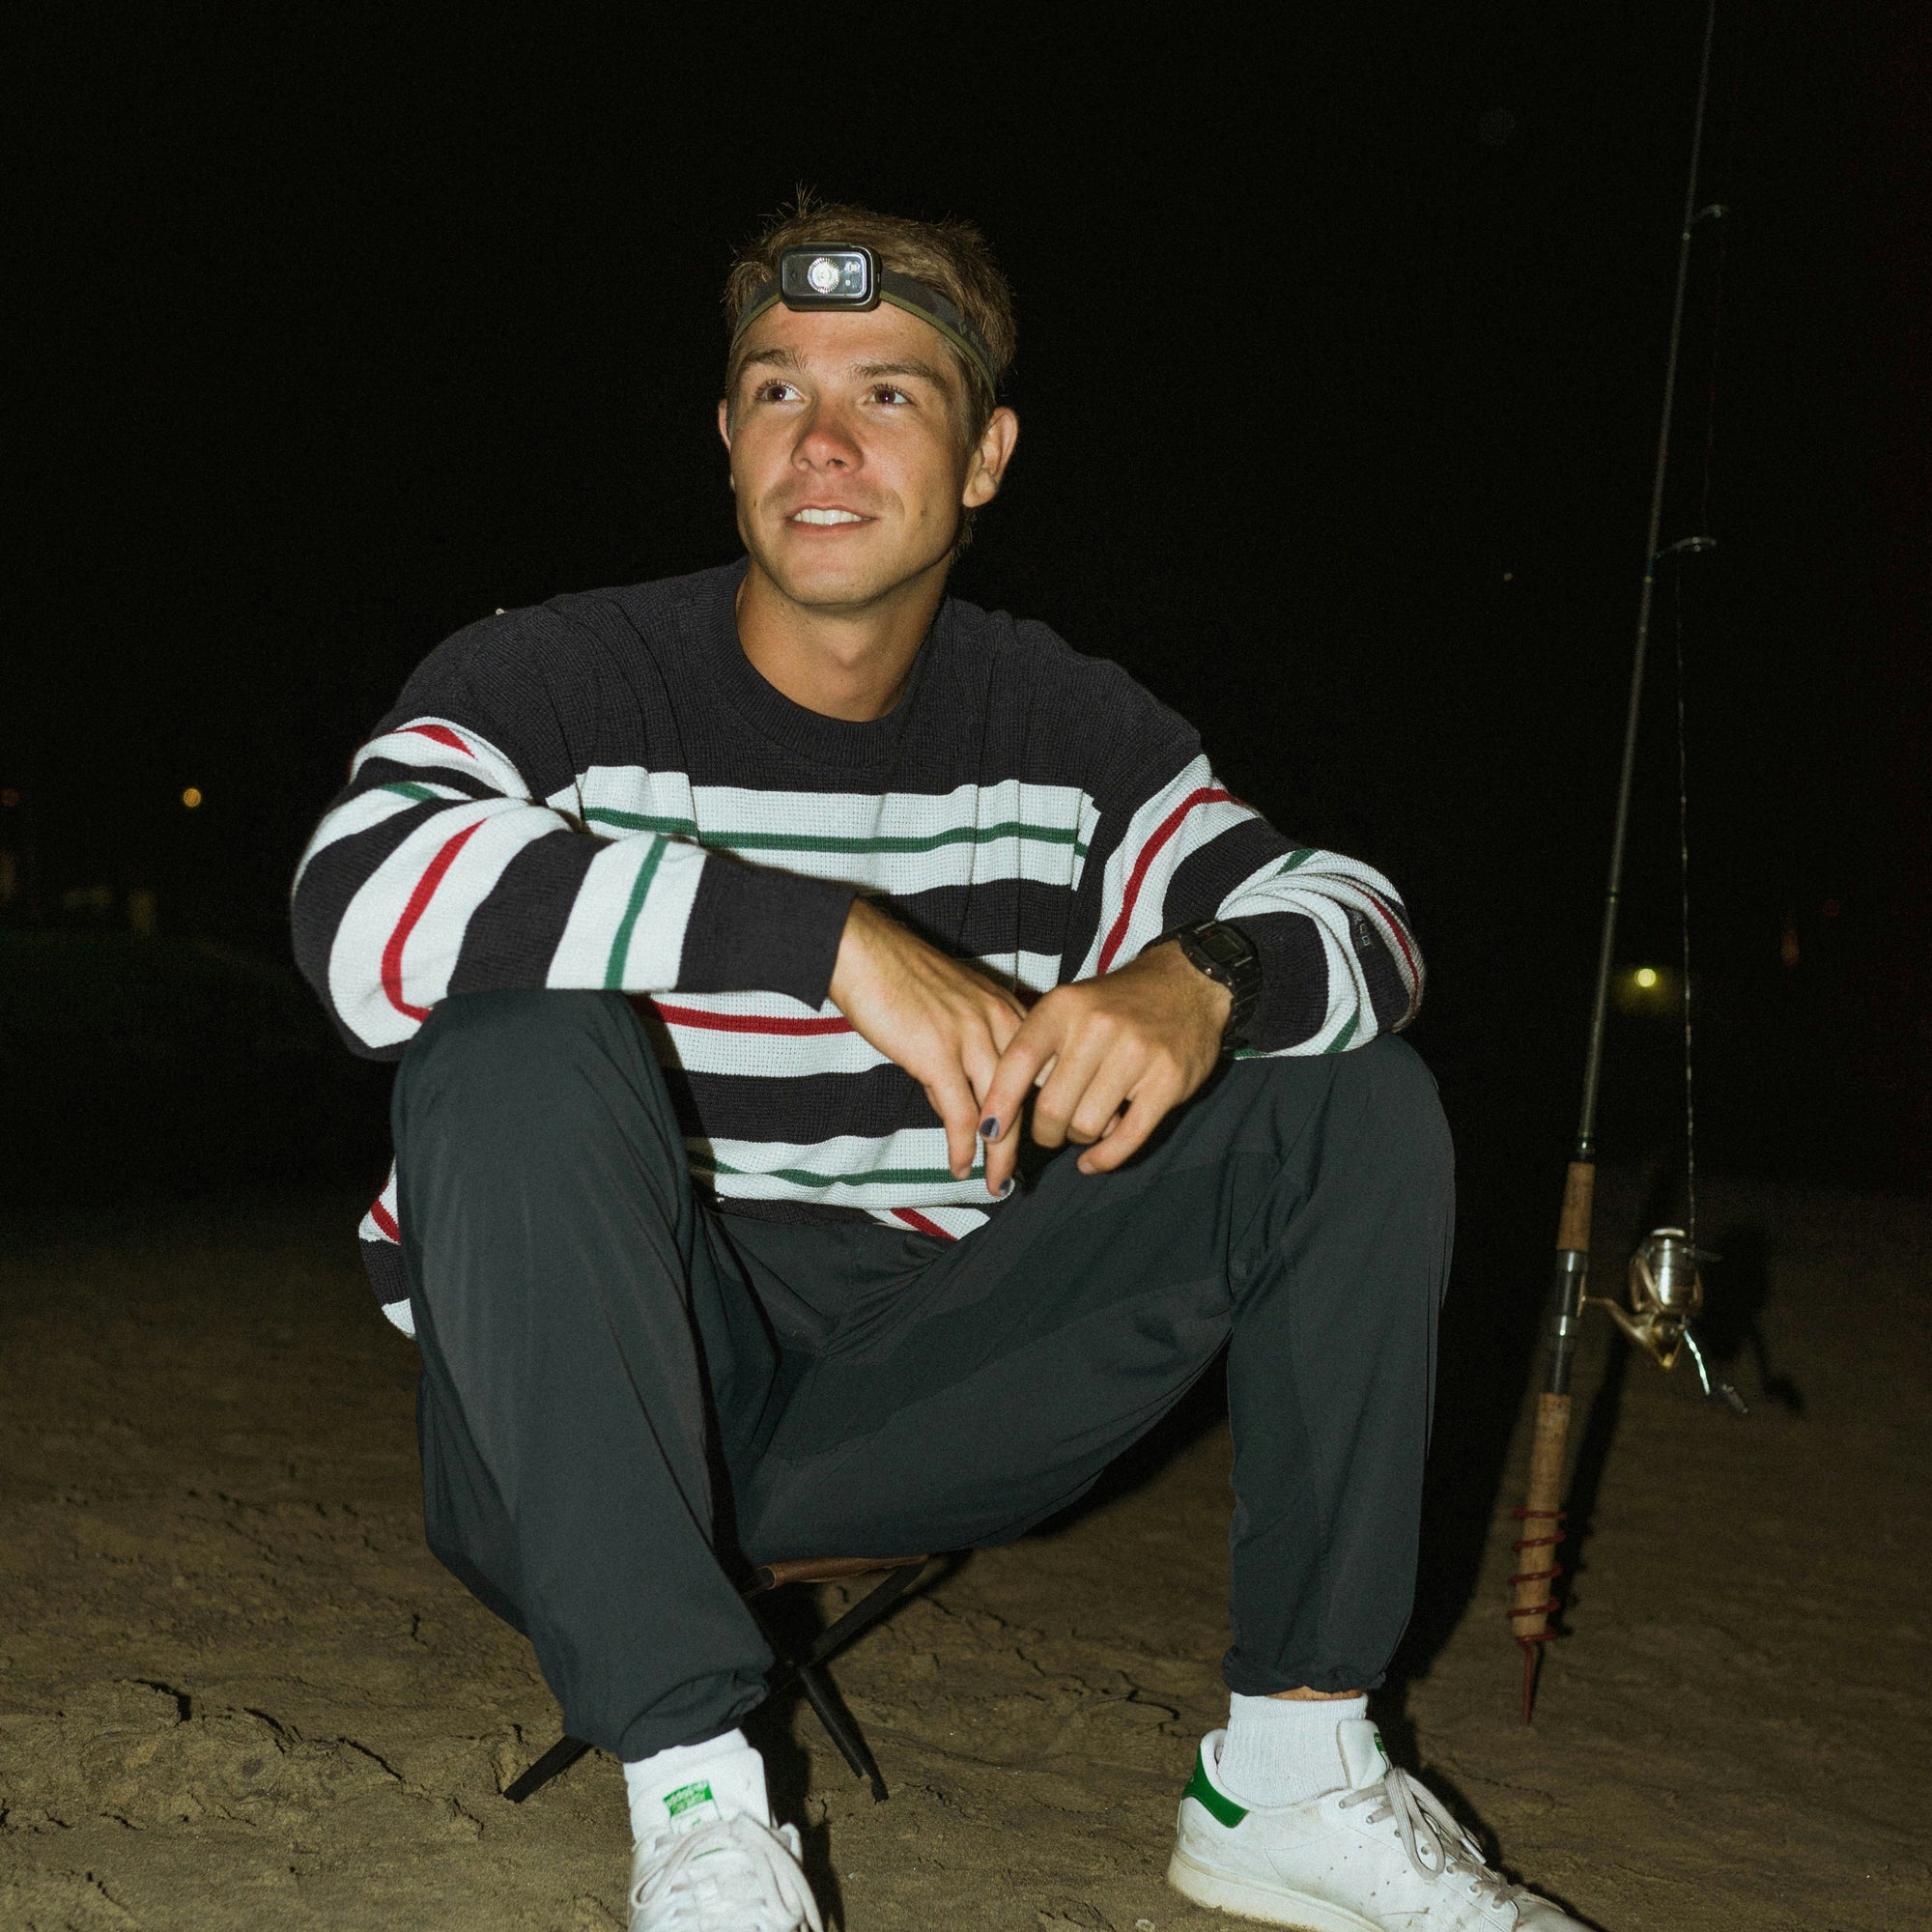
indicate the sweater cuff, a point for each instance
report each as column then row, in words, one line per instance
column 751, row 929
column 1293, row 999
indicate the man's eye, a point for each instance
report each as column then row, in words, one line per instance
column 777, row 392
column 887, row 392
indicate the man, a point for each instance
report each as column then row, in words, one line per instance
column 727, row 929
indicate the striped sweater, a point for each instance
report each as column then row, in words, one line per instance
column 601, row 792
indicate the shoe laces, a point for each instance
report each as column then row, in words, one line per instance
column 732, row 1874
column 1437, row 1846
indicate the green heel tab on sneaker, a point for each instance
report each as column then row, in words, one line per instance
column 1216, row 1803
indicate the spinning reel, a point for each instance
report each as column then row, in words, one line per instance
column 1667, row 1293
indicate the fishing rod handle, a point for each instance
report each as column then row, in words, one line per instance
column 1533, row 1597
column 1579, row 1193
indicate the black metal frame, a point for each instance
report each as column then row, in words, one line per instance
column 807, row 1671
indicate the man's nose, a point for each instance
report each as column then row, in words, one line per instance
column 827, row 442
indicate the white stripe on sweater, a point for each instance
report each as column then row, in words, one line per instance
column 603, row 905
column 413, row 744
column 1326, row 888
column 741, row 819
column 1204, row 823
column 847, row 1161
column 366, row 811
column 430, row 952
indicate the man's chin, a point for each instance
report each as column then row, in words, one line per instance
column 840, row 583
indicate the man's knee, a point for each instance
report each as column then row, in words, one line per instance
column 1403, row 1110
column 502, row 1046
column 1380, row 1101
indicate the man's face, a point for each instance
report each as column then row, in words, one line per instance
column 848, row 452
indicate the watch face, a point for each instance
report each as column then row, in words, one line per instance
column 1224, row 947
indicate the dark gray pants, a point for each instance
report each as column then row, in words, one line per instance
column 625, row 1392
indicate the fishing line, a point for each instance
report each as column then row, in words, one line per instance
column 1684, row 917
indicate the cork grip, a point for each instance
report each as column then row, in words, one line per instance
column 1541, row 1511
column 1580, row 1188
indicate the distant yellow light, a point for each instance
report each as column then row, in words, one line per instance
column 192, row 798
column 1646, row 977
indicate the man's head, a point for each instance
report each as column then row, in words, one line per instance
column 862, row 442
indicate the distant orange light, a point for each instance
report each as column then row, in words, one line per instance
column 10, row 796
column 192, row 798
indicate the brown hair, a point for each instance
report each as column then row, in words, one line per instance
column 950, row 257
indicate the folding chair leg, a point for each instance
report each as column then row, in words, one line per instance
column 840, row 1728
column 845, row 1734
column 558, row 1759
column 867, row 1611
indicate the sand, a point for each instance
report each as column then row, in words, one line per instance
column 235, row 1691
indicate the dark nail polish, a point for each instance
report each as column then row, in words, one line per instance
column 989, row 1128
column 1006, row 1186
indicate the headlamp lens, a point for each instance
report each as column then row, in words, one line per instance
column 831, row 277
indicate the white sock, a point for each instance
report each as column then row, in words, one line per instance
column 1282, row 1750
column 688, row 1783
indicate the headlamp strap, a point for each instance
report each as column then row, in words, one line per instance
column 915, row 298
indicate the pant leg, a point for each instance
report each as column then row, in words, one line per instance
column 1299, row 1208
column 592, row 1364
column 1332, row 1382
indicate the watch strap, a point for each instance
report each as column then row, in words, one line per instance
column 1227, row 956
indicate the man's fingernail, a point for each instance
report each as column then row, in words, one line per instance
column 1006, row 1186
column 989, row 1128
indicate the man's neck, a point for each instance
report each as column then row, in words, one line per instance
column 843, row 663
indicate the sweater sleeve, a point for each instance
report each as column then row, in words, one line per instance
column 451, row 863
column 1339, row 962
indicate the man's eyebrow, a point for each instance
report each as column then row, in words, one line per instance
column 778, row 356
column 902, row 367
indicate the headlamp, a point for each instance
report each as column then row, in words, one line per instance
column 828, row 278
column 832, row 275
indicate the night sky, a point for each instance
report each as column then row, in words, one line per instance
column 1341, row 353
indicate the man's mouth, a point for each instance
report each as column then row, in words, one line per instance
column 824, row 519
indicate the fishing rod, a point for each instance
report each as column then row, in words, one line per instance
column 1665, row 1288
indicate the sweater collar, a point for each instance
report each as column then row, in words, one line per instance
column 809, row 734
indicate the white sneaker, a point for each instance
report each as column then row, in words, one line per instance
column 716, row 1863
column 1379, row 1854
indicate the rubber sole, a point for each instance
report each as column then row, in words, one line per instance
column 1253, row 1899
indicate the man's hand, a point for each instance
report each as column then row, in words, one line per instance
column 943, row 1023
column 1145, row 1036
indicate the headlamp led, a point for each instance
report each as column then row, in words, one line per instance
column 831, row 275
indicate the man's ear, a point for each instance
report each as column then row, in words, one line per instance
column 725, row 421
column 988, row 468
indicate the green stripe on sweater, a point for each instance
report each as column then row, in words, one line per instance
column 819, row 841
column 620, row 944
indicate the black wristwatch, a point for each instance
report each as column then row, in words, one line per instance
column 1229, row 957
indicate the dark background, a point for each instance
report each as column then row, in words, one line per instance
column 1341, row 355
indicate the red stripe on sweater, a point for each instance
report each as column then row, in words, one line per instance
column 912, row 1218
column 383, row 1219
column 441, row 735
column 1163, row 832
column 696, row 1016
column 425, row 890
column 1394, row 926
